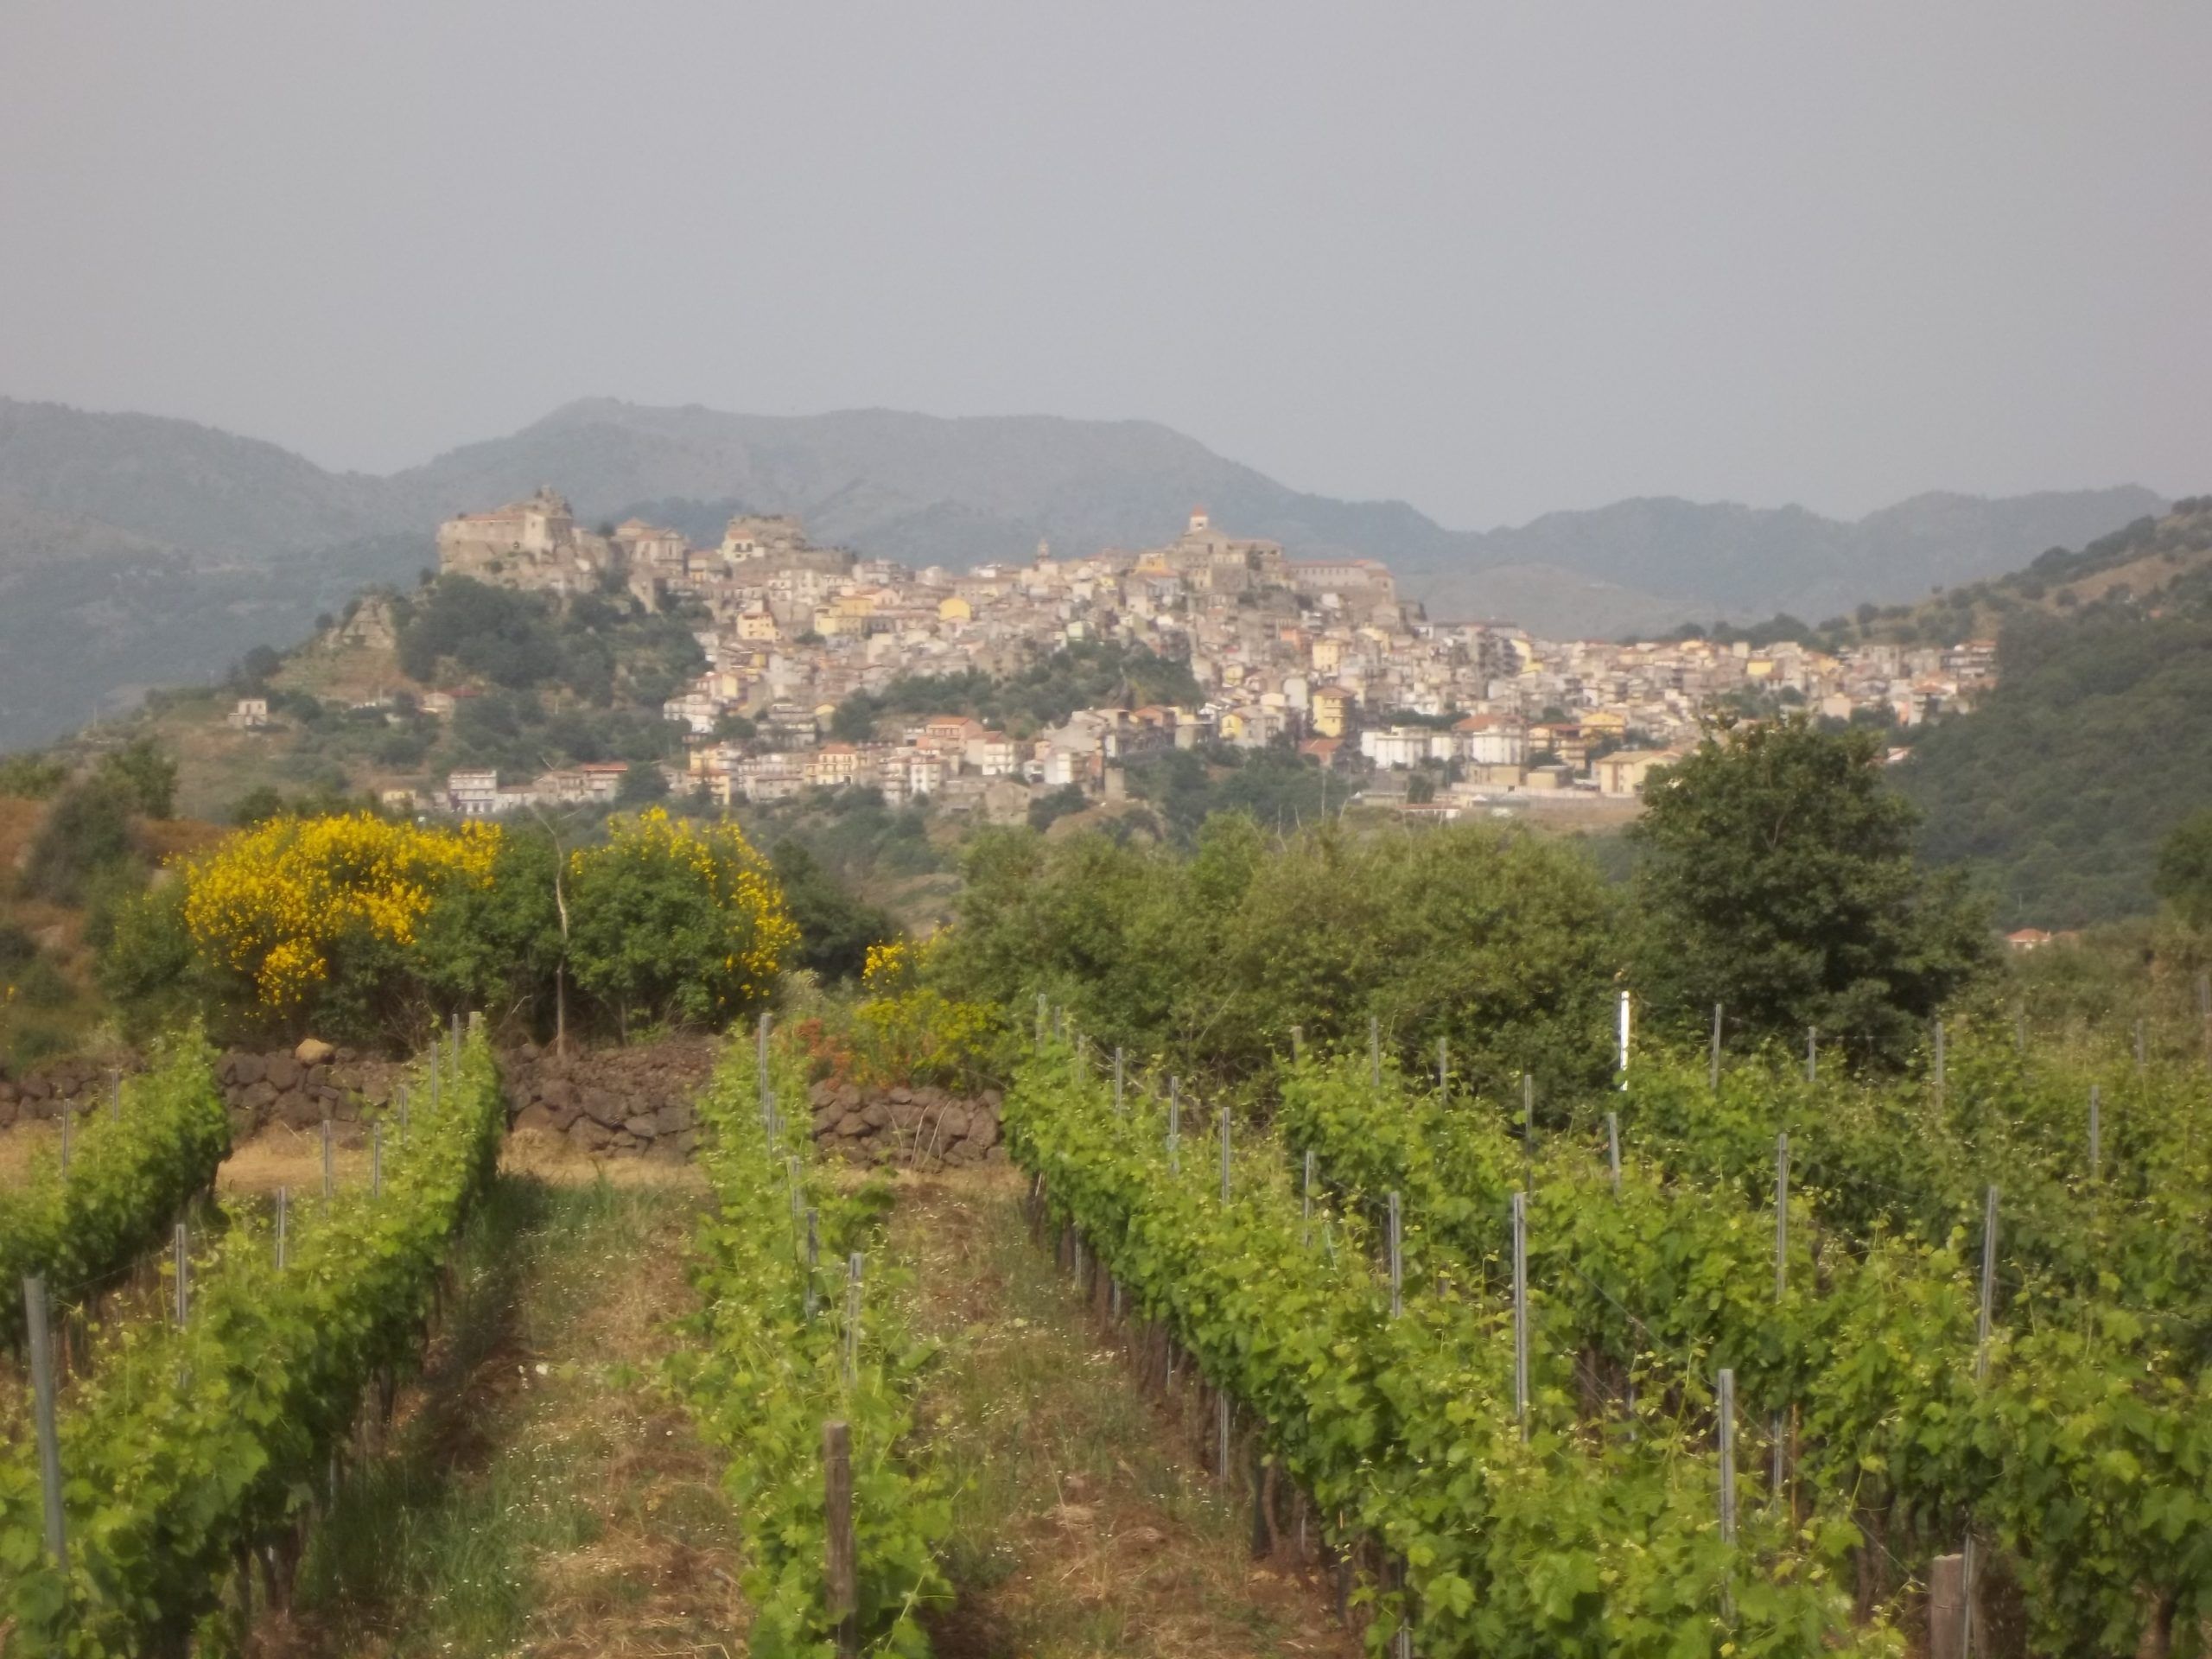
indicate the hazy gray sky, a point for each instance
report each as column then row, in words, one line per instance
column 1493, row 259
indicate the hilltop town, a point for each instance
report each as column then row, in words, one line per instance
column 1324, row 656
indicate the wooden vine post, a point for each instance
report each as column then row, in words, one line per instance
column 841, row 1573
column 50, row 1440
column 1946, row 1608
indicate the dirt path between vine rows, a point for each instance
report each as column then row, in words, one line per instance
column 1082, row 1524
column 541, row 1494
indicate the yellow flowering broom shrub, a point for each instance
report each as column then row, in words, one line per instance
column 676, row 922
column 907, row 1032
column 299, row 908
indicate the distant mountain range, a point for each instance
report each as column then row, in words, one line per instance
column 136, row 551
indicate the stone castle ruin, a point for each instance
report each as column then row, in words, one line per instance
column 533, row 543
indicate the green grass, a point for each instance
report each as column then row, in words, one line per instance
column 462, row 1539
column 561, row 1511
column 1085, row 1522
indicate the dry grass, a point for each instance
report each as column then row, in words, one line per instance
column 1084, row 1525
column 21, row 1145
column 559, row 1161
column 19, row 822
column 277, row 1156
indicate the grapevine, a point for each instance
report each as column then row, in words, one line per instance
column 2082, row 1451
column 1577, row 1541
column 192, row 1446
column 768, row 1367
column 127, row 1177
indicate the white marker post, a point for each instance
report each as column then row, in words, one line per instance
column 1627, row 1018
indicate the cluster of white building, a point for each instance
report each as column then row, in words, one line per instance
column 1322, row 654
column 478, row 794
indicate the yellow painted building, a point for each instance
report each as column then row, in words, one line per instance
column 1332, row 711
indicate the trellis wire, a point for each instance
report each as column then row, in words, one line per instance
column 1520, row 1310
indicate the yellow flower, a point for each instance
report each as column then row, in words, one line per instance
column 736, row 892
column 271, row 902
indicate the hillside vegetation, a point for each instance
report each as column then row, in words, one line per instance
column 542, row 686
column 2097, row 741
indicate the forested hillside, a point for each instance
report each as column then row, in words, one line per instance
column 2098, row 739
